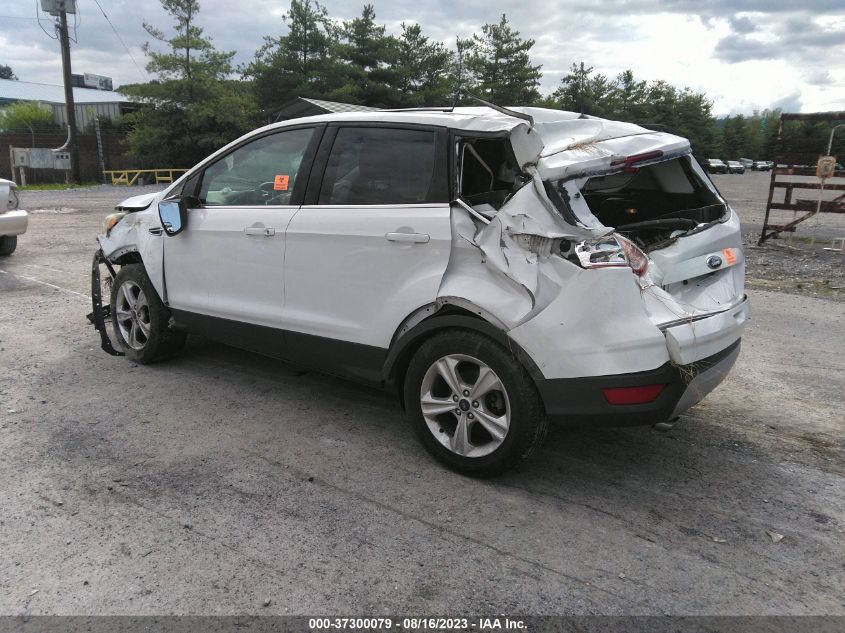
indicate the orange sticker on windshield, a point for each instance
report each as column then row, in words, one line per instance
column 730, row 256
column 280, row 183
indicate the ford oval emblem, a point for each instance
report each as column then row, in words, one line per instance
column 714, row 261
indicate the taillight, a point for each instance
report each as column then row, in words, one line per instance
column 611, row 251
column 632, row 395
column 637, row 259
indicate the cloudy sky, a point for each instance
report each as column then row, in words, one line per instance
column 744, row 54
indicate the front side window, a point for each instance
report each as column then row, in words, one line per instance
column 262, row 172
column 381, row 166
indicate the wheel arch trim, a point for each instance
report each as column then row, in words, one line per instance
column 446, row 313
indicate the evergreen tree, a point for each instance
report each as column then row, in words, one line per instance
column 581, row 91
column 500, row 63
column 462, row 79
column 300, row 63
column 735, row 138
column 370, row 57
column 422, row 68
column 629, row 97
column 694, row 120
column 662, row 101
column 192, row 108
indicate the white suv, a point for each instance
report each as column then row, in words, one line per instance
column 463, row 258
column 13, row 221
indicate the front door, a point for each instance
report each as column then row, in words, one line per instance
column 228, row 262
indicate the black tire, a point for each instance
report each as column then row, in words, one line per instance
column 162, row 341
column 8, row 244
column 528, row 424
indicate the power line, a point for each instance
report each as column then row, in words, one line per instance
column 38, row 17
column 125, row 47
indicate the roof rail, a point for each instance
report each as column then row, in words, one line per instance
column 503, row 110
column 498, row 108
column 421, row 109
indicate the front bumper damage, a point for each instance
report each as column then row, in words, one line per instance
column 100, row 313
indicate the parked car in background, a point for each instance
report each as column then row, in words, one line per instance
column 478, row 262
column 13, row 221
column 762, row 165
column 746, row 162
column 735, row 167
column 715, row 166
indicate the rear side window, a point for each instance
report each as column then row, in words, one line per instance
column 382, row 166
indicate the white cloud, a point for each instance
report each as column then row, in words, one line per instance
column 724, row 48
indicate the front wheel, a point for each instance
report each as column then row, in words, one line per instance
column 473, row 404
column 140, row 319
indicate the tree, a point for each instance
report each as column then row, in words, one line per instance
column 461, row 75
column 629, row 97
column 6, row 72
column 694, row 121
column 581, row 91
column 680, row 111
column 500, row 63
column 369, row 57
column 26, row 116
column 422, row 68
column 192, row 108
column 300, row 63
column 735, row 137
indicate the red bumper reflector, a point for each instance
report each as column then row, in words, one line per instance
column 632, row 395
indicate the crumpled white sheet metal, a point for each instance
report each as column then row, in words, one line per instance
column 528, row 213
column 515, row 244
column 517, row 240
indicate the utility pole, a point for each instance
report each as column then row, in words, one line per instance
column 64, row 40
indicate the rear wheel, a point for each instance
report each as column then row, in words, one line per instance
column 140, row 319
column 472, row 404
column 8, row 244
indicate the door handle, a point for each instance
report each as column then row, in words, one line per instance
column 260, row 230
column 417, row 238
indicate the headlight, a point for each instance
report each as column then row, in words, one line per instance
column 112, row 219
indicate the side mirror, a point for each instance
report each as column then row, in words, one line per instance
column 173, row 215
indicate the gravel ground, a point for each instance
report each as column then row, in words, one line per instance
column 220, row 480
column 796, row 263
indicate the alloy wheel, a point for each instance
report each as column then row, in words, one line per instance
column 465, row 405
column 132, row 312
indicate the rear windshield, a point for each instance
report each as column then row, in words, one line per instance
column 650, row 202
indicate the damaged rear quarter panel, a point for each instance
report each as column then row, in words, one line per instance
column 606, row 332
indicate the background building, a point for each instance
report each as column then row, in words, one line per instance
column 89, row 102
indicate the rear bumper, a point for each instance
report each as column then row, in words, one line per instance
column 580, row 401
column 13, row 222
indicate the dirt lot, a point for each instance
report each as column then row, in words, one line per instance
column 797, row 263
column 221, row 480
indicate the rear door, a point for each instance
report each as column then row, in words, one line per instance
column 228, row 261
column 372, row 241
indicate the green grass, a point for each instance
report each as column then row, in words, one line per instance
column 57, row 186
